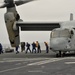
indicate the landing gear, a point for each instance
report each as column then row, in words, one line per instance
column 58, row 54
column 63, row 54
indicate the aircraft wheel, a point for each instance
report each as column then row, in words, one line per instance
column 63, row 53
column 59, row 53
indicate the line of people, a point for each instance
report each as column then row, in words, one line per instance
column 36, row 48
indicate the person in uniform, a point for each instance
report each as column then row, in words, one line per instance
column 1, row 51
column 38, row 47
column 47, row 47
column 22, row 46
column 33, row 47
column 28, row 47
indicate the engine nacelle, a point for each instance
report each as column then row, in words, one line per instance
column 12, row 29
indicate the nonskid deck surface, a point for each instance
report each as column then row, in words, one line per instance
column 17, row 64
column 39, row 63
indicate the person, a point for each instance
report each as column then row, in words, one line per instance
column 22, row 46
column 17, row 49
column 1, row 51
column 38, row 47
column 47, row 47
column 33, row 47
column 28, row 47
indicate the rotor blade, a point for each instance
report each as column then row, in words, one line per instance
column 4, row 5
column 20, row 2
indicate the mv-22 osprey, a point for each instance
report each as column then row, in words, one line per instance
column 62, row 37
column 11, row 17
column 62, row 40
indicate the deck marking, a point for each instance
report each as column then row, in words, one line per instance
column 12, row 69
column 69, row 62
column 46, row 61
column 38, row 71
column 41, row 62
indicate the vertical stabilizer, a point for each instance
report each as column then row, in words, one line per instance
column 71, row 16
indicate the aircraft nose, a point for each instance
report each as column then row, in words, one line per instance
column 54, row 42
column 57, row 42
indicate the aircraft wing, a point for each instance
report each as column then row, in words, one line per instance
column 20, row 2
column 37, row 26
column 4, row 5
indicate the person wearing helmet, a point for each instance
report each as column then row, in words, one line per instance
column 38, row 47
column 47, row 47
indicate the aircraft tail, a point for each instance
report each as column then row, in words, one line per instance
column 71, row 17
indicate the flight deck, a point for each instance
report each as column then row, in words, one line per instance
column 36, row 64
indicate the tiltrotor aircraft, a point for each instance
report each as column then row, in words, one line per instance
column 62, row 37
column 62, row 40
column 11, row 17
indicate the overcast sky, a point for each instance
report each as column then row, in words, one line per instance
column 39, row 11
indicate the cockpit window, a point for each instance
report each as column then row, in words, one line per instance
column 60, row 33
